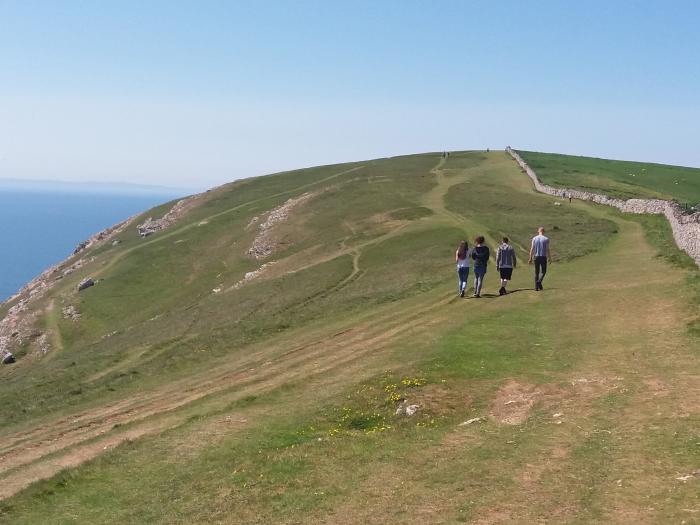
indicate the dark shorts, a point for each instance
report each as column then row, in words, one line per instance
column 506, row 273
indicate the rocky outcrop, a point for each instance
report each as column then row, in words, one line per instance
column 151, row 225
column 685, row 227
column 85, row 283
column 71, row 313
column 264, row 245
column 19, row 324
column 249, row 276
column 103, row 235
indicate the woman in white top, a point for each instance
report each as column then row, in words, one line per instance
column 462, row 259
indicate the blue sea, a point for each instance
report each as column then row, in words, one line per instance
column 39, row 229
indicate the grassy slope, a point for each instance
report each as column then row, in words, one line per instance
column 273, row 403
column 617, row 178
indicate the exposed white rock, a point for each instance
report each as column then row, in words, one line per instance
column 685, row 227
column 263, row 245
column 151, row 225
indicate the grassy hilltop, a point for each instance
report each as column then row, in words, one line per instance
column 617, row 178
column 186, row 393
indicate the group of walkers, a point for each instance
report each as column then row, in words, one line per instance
column 478, row 257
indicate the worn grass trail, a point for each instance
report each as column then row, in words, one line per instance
column 590, row 394
column 41, row 452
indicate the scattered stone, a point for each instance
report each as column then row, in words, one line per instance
column 472, row 420
column 558, row 414
column 407, row 410
column 18, row 325
column 217, row 289
column 693, row 474
column 249, row 276
column 80, row 247
column 7, row 358
column 70, row 312
column 85, row 283
column 43, row 343
column 263, row 245
column 104, row 235
column 151, row 225
column 115, row 242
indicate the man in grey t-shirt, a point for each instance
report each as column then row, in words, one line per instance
column 539, row 252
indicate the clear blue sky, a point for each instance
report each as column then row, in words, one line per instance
column 198, row 93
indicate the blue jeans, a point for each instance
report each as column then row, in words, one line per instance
column 462, row 274
column 479, row 272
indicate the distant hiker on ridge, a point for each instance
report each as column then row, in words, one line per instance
column 480, row 254
column 505, row 263
column 539, row 251
column 462, row 258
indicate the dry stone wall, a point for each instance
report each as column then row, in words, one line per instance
column 685, row 227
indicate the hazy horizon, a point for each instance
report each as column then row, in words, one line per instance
column 178, row 95
column 91, row 186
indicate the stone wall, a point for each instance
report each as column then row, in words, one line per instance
column 686, row 228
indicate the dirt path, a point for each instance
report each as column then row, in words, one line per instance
column 29, row 456
column 32, row 455
column 634, row 374
column 600, row 442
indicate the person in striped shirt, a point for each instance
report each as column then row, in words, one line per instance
column 505, row 264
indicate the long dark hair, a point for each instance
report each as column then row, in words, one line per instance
column 462, row 249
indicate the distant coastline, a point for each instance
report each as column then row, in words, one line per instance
column 100, row 188
column 40, row 227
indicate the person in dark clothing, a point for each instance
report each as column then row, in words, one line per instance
column 540, row 253
column 505, row 264
column 481, row 255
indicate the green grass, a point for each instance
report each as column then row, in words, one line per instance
column 622, row 179
column 301, row 370
column 510, row 213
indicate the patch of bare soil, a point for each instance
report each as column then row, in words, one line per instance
column 69, row 441
column 438, row 400
column 513, row 402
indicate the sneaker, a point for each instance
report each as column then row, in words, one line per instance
column 478, row 296
column 461, row 294
column 502, row 291
column 541, row 287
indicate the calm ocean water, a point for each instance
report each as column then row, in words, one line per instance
column 38, row 229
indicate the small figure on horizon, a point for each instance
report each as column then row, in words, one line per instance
column 480, row 254
column 505, row 264
column 540, row 253
column 462, row 259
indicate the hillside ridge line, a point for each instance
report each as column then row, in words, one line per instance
column 685, row 227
